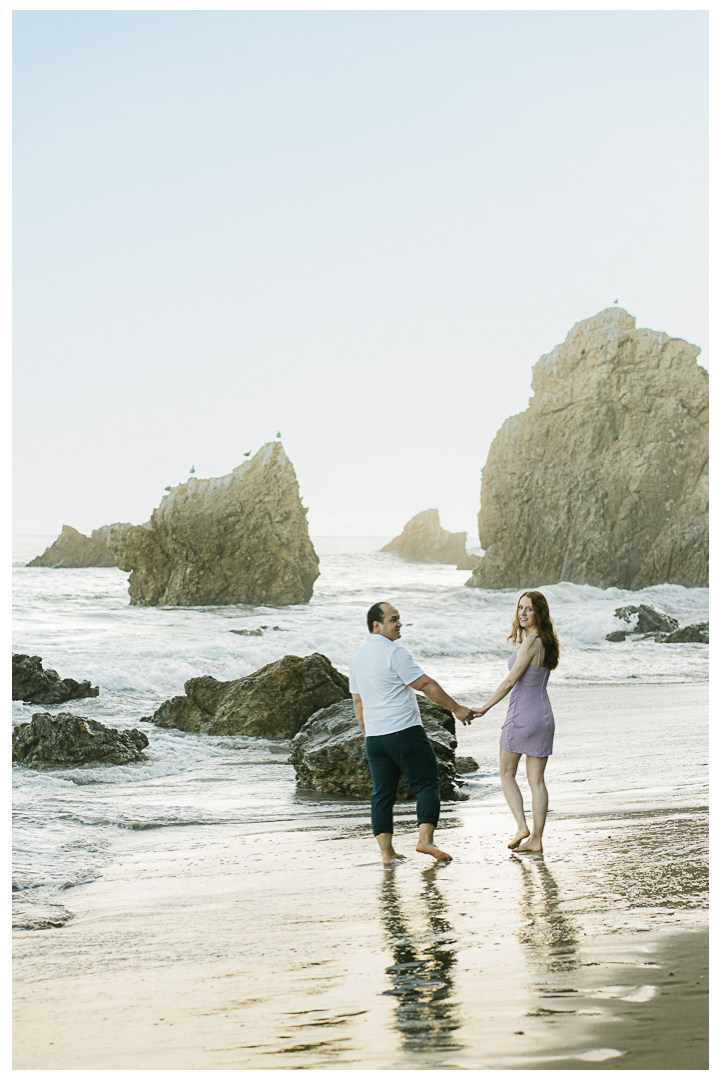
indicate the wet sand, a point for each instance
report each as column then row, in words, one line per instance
column 219, row 947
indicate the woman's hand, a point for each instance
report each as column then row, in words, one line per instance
column 481, row 711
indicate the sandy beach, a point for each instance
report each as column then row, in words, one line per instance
column 286, row 945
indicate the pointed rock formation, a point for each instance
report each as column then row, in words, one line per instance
column 424, row 538
column 603, row 480
column 235, row 539
column 73, row 549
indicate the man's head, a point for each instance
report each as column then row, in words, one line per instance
column 384, row 619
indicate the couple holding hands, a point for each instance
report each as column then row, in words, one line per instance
column 383, row 681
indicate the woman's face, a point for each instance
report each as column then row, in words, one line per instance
column 526, row 615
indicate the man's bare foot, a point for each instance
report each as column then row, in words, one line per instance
column 388, row 860
column 430, row 849
column 529, row 849
column 519, row 835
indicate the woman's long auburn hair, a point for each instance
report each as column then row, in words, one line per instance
column 544, row 628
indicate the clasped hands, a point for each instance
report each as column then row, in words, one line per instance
column 466, row 716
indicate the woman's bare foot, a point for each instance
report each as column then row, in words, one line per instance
column 532, row 848
column 518, row 837
column 430, row 849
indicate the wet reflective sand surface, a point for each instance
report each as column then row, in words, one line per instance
column 218, row 947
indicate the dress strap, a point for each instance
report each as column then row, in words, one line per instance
column 539, row 650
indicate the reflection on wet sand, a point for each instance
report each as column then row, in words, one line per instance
column 421, row 939
column 548, row 935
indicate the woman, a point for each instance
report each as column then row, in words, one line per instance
column 529, row 726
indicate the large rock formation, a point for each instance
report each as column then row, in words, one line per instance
column 273, row 702
column 75, row 740
column 603, row 480
column 424, row 538
column 235, row 539
column 329, row 752
column 74, row 549
column 45, row 687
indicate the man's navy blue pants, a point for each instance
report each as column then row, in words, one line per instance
column 409, row 752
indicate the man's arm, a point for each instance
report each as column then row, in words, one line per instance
column 357, row 706
column 433, row 690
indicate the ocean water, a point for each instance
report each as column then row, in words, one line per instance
column 615, row 746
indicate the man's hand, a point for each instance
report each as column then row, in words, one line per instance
column 465, row 716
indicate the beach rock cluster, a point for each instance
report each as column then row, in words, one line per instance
column 73, row 549
column 66, row 739
column 652, row 620
column 271, row 703
column 329, row 752
column 424, row 538
column 235, row 539
column 38, row 686
column 603, row 480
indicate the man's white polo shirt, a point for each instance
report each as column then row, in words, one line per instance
column 380, row 672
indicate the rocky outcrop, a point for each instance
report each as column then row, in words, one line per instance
column 73, row 549
column 272, row 703
column 235, row 539
column 424, row 538
column 649, row 620
column 74, row 740
column 45, row 687
column 698, row 632
column 603, row 480
column 329, row 752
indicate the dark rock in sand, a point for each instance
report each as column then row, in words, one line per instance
column 651, row 619
column 66, row 739
column 271, row 703
column 424, row 538
column 31, row 683
column 73, row 549
column 698, row 632
column 235, row 539
column 329, row 752
column 466, row 764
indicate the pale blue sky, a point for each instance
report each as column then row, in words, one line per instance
column 360, row 228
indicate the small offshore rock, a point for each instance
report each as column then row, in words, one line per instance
column 329, row 752
column 73, row 549
column 236, row 539
column 249, row 633
column 67, row 739
column 424, row 538
column 466, row 764
column 651, row 619
column 271, row 703
column 617, row 635
column 697, row 632
column 45, row 687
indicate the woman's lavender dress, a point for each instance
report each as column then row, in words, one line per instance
column 529, row 725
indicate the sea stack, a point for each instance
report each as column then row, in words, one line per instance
column 603, row 480
column 235, row 539
column 424, row 538
column 73, row 549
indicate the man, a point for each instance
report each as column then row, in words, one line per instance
column 383, row 681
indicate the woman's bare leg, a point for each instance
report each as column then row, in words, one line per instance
column 513, row 795
column 535, row 767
